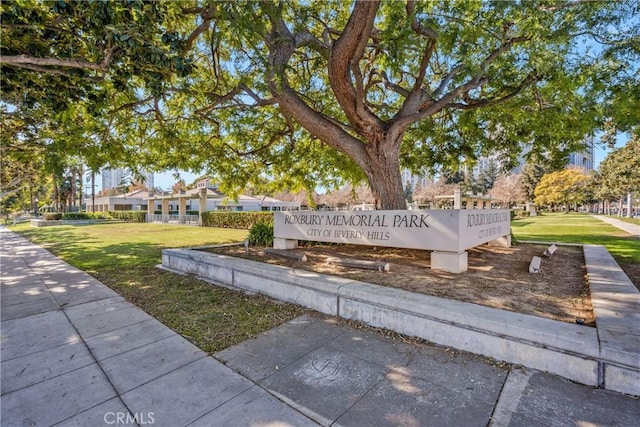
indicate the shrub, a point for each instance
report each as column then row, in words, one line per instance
column 101, row 215
column 53, row 216
column 239, row 220
column 75, row 216
column 129, row 216
column 261, row 234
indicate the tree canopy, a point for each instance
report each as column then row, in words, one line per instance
column 312, row 93
column 563, row 188
column 619, row 172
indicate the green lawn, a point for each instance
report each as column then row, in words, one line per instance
column 579, row 228
column 124, row 255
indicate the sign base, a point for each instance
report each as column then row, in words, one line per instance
column 451, row 262
column 280, row 243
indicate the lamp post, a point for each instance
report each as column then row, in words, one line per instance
column 35, row 206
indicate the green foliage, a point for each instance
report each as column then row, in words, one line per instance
column 75, row 216
column 129, row 216
column 244, row 90
column 488, row 176
column 238, row 220
column 532, row 173
column 261, row 234
column 53, row 216
column 619, row 172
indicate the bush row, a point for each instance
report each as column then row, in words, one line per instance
column 177, row 212
column 129, row 216
column 240, row 220
column 75, row 216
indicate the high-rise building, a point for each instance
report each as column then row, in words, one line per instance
column 583, row 160
column 414, row 181
column 113, row 178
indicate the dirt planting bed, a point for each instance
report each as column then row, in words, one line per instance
column 497, row 277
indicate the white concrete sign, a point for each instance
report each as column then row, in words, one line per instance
column 450, row 230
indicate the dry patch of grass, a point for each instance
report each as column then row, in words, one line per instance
column 211, row 317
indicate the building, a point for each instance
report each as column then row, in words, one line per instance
column 114, row 178
column 134, row 201
column 414, row 181
column 185, row 207
column 583, row 160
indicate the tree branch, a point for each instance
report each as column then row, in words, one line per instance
column 416, row 26
column 259, row 101
column 196, row 33
column 393, row 86
column 478, row 103
column 130, row 105
column 41, row 69
column 305, row 38
column 347, row 52
column 418, row 96
column 22, row 60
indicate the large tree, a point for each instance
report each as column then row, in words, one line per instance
column 619, row 173
column 563, row 188
column 306, row 92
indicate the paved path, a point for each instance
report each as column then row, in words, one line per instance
column 74, row 353
column 633, row 229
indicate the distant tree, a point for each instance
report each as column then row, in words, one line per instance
column 507, row 190
column 428, row 192
column 136, row 185
column 408, row 191
column 304, row 197
column 347, row 196
column 532, row 173
column 452, row 176
column 488, row 176
column 563, row 188
column 619, row 173
column 469, row 184
column 178, row 186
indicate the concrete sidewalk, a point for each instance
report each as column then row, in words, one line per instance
column 632, row 229
column 74, row 353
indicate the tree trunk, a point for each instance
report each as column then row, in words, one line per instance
column 629, row 204
column 93, row 191
column 383, row 173
column 620, row 203
column 56, row 202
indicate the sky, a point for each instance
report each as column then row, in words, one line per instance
column 165, row 180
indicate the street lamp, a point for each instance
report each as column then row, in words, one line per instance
column 35, row 206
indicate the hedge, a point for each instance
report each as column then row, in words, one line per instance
column 53, row 216
column 129, row 216
column 240, row 220
column 75, row 216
